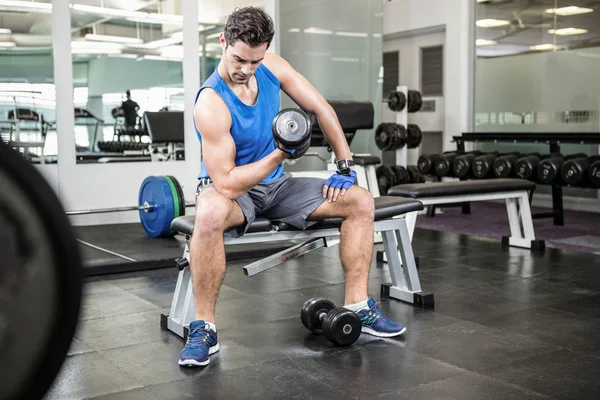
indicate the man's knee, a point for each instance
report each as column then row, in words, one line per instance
column 362, row 203
column 212, row 212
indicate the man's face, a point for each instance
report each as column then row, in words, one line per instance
column 241, row 60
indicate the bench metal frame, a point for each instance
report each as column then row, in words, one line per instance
column 405, row 284
column 520, row 221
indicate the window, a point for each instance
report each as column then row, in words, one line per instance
column 432, row 71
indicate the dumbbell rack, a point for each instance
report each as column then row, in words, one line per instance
column 402, row 119
column 552, row 139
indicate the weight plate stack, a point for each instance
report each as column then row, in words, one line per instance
column 401, row 174
column 415, row 174
column 383, row 136
column 414, row 136
column 386, row 178
column 396, row 101
column 415, row 101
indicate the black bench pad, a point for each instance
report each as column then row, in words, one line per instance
column 385, row 207
column 366, row 160
column 459, row 188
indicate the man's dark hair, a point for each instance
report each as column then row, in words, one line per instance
column 251, row 25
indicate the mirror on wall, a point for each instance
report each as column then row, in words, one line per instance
column 536, row 71
column 128, row 80
column 27, row 93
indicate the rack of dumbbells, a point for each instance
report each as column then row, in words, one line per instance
column 399, row 136
column 553, row 168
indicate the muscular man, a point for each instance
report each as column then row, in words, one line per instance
column 242, row 177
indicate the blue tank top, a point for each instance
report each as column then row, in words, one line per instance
column 250, row 125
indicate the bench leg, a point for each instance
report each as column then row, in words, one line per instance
column 403, row 270
column 520, row 220
column 283, row 256
column 183, row 309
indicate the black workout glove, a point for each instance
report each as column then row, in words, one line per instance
column 338, row 184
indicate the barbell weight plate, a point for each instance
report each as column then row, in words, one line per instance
column 155, row 190
column 396, row 101
column 291, row 127
column 309, row 315
column 40, row 280
column 342, row 326
column 182, row 204
column 176, row 202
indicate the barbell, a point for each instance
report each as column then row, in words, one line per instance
column 160, row 201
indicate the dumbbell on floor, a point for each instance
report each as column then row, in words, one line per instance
column 340, row 325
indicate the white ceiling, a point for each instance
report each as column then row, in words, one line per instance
column 529, row 25
column 31, row 29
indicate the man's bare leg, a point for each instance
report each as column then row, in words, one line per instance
column 215, row 214
column 357, row 208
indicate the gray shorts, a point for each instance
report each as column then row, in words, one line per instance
column 289, row 199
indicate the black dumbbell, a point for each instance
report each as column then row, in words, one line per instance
column 386, row 178
column 414, row 174
column 340, row 325
column 594, row 173
column 462, row 164
column 402, row 176
column 482, row 165
column 574, row 171
column 503, row 166
column 425, row 163
column 442, row 164
column 526, row 166
column 548, row 170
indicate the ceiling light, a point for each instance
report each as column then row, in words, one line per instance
column 114, row 39
column 345, row 59
column 318, row 31
column 94, row 50
column 485, row 42
column 7, row 44
column 567, row 31
column 377, row 35
column 491, row 23
column 542, row 47
column 5, row 31
column 217, row 35
column 352, row 34
column 570, row 10
column 25, row 6
column 81, row 44
column 294, row 30
column 113, row 12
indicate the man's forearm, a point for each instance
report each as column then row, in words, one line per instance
column 334, row 134
column 243, row 178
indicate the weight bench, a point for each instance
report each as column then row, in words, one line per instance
column 514, row 191
column 389, row 220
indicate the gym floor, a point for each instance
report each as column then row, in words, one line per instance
column 507, row 324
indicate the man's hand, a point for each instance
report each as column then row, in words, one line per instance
column 337, row 185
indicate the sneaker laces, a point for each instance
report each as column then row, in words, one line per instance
column 196, row 338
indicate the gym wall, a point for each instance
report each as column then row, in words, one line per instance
column 411, row 24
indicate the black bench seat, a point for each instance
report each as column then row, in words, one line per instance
column 459, row 188
column 385, row 207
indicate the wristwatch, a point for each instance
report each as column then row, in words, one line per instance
column 343, row 166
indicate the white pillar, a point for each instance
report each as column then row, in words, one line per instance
column 191, row 81
column 63, row 81
column 272, row 8
column 459, row 71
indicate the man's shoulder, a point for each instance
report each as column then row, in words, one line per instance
column 210, row 104
column 277, row 65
